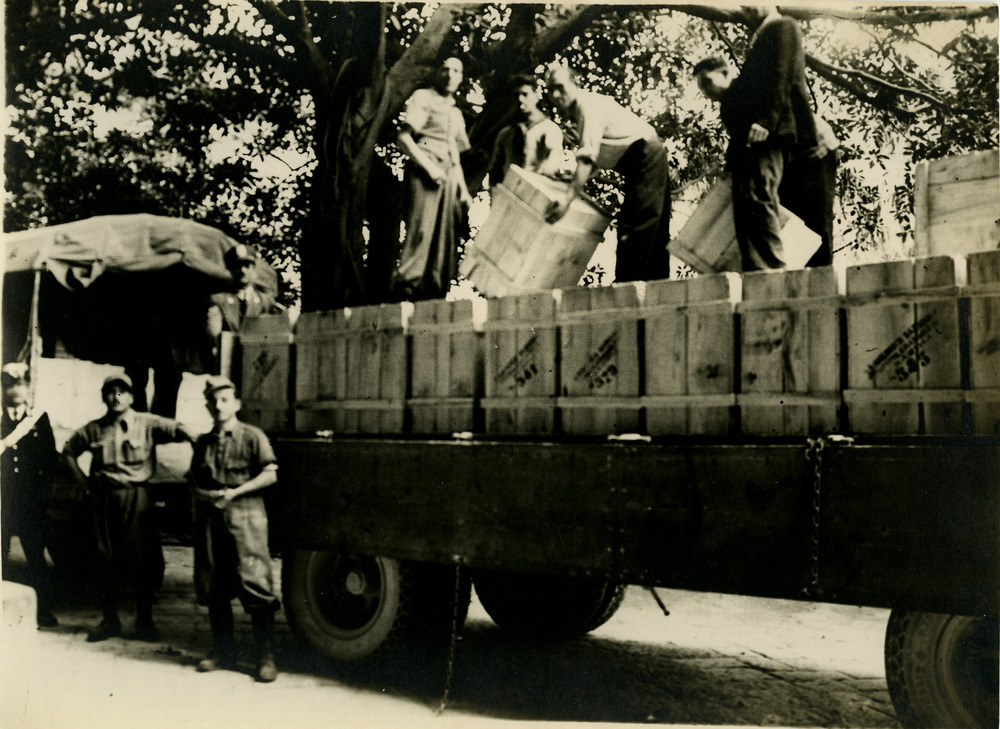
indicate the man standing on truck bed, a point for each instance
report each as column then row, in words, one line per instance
column 612, row 137
column 534, row 142
column 123, row 446
column 229, row 467
column 769, row 117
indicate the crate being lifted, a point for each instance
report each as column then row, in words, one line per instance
column 516, row 251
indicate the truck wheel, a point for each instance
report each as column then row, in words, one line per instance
column 346, row 607
column 543, row 606
column 942, row 670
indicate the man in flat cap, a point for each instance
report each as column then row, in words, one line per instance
column 228, row 309
column 230, row 467
column 123, row 445
column 27, row 464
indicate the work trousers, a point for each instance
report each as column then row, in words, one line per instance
column 808, row 189
column 29, row 525
column 644, row 219
column 231, row 555
column 757, row 176
column 128, row 544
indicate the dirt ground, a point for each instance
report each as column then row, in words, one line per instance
column 716, row 660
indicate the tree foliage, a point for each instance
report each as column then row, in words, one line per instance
column 275, row 120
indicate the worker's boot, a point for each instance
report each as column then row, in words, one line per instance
column 223, row 653
column 109, row 627
column 145, row 629
column 263, row 633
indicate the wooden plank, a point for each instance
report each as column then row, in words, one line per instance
column 983, row 289
column 902, row 334
column 921, row 226
column 599, row 359
column 957, row 206
column 973, row 166
column 688, row 354
column 790, row 353
column 266, row 343
column 520, row 364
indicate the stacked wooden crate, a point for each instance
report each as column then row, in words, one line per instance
column 689, row 355
column 904, row 373
column 516, row 251
column 983, row 292
column 446, row 367
column 521, row 381
column 790, row 353
column 266, row 357
column 351, row 369
column 600, row 363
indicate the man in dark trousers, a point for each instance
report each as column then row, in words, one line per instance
column 769, row 117
column 612, row 137
column 230, row 467
column 123, row 446
column 27, row 464
column 808, row 185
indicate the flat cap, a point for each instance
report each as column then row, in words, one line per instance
column 117, row 379
column 15, row 372
column 216, row 383
column 239, row 253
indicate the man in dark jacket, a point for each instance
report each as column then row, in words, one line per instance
column 27, row 464
column 769, row 117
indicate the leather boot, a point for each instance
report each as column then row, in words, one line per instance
column 109, row 627
column 263, row 633
column 145, row 629
column 223, row 653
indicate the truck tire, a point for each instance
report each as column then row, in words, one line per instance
column 544, row 606
column 346, row 607
column 942, row 670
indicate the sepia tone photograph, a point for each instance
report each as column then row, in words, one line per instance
column 536, row 365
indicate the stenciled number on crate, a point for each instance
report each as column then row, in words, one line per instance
column 905, row 356
column 263, row 364
column 600, row 369
column 521, row 367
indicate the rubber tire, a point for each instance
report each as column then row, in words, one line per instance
column 545, row 606
column 336, row 622
column 942, row 670
column 433, row 604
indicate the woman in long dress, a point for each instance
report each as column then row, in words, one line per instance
column 433, row 135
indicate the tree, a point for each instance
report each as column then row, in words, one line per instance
column 224, row 92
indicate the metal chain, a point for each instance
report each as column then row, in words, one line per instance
column 450, row 670
column 814, row 456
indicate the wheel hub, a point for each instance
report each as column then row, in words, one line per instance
column 355, row 582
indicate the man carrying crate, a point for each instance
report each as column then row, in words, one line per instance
column 614, row 138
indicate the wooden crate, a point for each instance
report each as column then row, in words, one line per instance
column 956, row 204
column 351, row 369
column 983, row 292
column 266, row 356
column 521, row 381
column 707, row 242
column 446, row 367
column 688, row 354
column 516, row 251
column 790, row 353
column 903, row 360
column 599, row 360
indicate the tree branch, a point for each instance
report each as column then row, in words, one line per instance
column 554, row 39
column 893, row 17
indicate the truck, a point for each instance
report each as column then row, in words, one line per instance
column 794, row 434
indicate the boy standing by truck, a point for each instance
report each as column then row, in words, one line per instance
column 229, row 467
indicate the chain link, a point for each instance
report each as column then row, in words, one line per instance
column 814, row 456
column 450, row 670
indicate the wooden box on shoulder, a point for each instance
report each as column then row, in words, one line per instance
column 599, row 360
column 707, row 241
column 351, row 369
column 265, row 344
column 446, row 368
column 521, row 381
column 516, row 251
column 689, row 362
column 790, row 353
column 904, row 373
column 956, row 204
